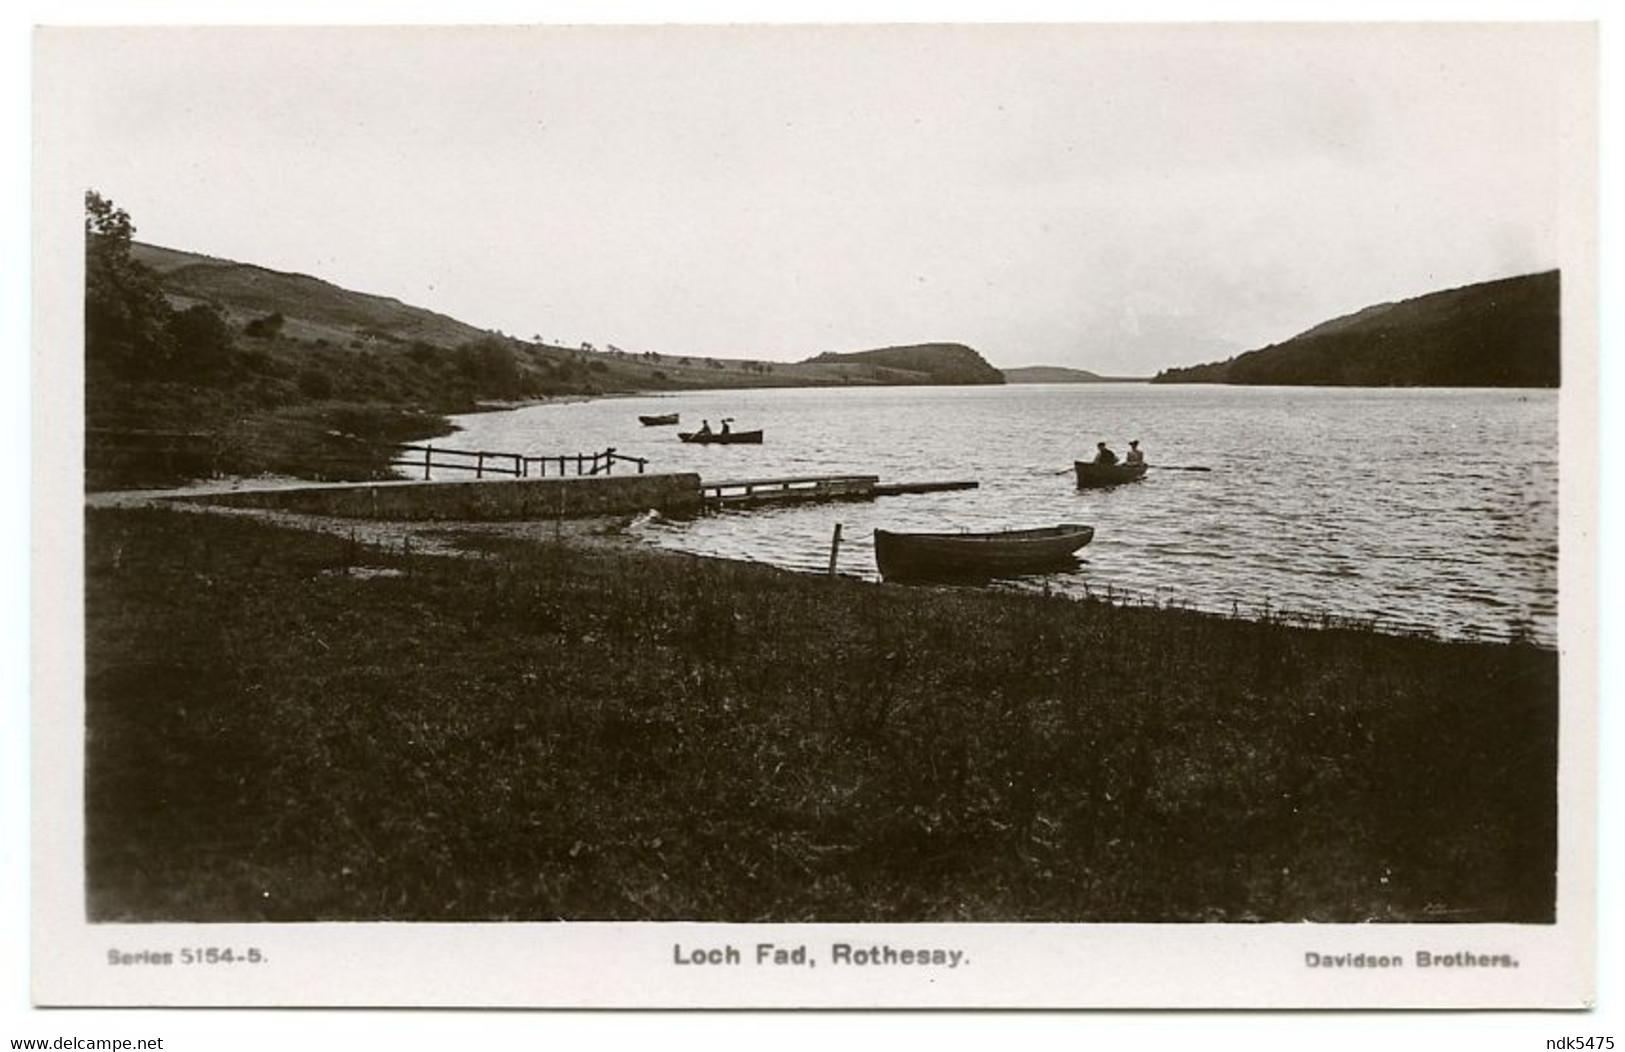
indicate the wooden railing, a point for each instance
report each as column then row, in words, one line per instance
column 513, row 465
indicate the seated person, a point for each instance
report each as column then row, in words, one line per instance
column 1134, row 454
column 1103, row 455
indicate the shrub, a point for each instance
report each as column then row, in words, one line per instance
column 201, row 341
column 265, row 328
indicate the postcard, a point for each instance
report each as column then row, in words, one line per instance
column 846, row 516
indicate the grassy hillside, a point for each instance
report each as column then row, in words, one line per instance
column 233, row 368
column 1502, row 333
column 316, row 313
column 313, row 308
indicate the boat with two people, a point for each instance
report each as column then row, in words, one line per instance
column 1094, row 475
column 724, row 436
column 940, row 556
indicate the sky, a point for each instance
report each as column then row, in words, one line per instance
column 1116, row 198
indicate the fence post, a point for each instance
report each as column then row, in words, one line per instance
column 518, row 466
column 479, row 465
column 428, row 460
column 609, row 461
column 834, row 549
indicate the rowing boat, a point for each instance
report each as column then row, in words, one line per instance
column 923, row 556
column 660, row 420
column 1096, row 476
column 703, row 437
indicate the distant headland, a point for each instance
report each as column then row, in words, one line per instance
column 1057, row 374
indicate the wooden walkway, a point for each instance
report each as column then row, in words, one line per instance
column 735, row 492
column 728, row 493
column 775, row 490
column 893, row 489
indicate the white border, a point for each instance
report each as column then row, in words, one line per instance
column 53, row 543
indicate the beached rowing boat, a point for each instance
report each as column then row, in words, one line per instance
column 1095, row 476
column 924, row 556
column 660, row 420
column 752, row 437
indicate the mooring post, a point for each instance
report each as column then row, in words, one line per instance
column 834, row 549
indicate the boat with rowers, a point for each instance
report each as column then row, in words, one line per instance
column 723, row 437
column 1098, row 476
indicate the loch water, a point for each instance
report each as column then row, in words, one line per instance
column 1419, row 509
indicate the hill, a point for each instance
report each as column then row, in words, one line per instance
column 313, row 308
column 1503, row 333
column 198, row 365
column 310, row 313
column 920, row 363
column 1057, row 374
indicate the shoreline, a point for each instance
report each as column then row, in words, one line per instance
column 615, row 531
column 793, row 747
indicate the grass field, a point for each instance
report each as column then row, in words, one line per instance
column 540, row 731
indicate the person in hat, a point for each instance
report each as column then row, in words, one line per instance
column 1134, row 455
column 1103, row 454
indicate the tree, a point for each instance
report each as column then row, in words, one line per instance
column 107, row 220
column 126, row 315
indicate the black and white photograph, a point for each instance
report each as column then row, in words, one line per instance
column 1051, row 516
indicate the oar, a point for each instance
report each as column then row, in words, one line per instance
column 1159, row 467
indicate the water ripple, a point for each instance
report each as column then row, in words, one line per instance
column 1426, row 510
